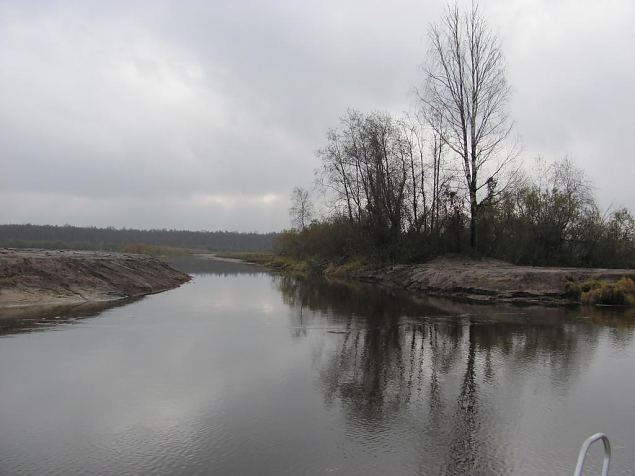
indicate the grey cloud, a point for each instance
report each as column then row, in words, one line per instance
column 137, row 110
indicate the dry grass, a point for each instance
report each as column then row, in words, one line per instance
column 616, row 293
column 345, row 269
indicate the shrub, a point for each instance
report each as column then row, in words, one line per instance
column 330, row 240
column 575, row 289
column 619, row 293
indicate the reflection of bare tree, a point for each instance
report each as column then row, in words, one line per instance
column 300, row 329
column 468, row 449
column 437, row 359
column 392, row 356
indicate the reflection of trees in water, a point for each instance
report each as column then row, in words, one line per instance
column 465, row 444
column 390, row 359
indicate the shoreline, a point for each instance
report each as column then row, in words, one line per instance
column 486, row 281
column 489, row 281
column 40, row 278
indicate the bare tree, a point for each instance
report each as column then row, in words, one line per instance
column 301, row 210
column 412, row 147
column 465, row 101
column 366, row 165
column 335, row 174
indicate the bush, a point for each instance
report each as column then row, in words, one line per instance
column 332, row 240
column 575, row 289
column 617, row 293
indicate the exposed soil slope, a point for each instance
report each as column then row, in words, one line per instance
column 43, row 277
column 487, row 280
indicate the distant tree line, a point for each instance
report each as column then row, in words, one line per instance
column 448, row 180
column 91, row 238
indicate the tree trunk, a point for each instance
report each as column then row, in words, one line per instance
column 473, row 222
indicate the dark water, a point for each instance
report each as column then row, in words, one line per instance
column 246, row 373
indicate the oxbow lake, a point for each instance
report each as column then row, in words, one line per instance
column 241, row 372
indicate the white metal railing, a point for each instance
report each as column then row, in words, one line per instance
column 585, row 448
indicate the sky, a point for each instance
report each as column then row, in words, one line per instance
column 204, row 115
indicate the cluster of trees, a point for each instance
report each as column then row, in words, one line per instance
column 450, row 180
column 549, row 218
column 381, row 175
column 554, row 219
column 91, row 238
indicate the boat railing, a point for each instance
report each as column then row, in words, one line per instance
column 584, row 449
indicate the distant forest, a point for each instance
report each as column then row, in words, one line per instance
column 90, row 238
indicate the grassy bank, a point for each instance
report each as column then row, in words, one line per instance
column 296, row 266
column 272, row 261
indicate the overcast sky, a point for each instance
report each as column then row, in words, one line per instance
column 204, row 115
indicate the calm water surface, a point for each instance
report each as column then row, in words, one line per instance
column 241, row 372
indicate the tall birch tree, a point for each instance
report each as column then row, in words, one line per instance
column 465, row 101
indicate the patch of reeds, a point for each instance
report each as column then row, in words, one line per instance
column 615, row 293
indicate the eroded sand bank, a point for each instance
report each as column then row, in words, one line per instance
column 487, row 280
column 30, row 277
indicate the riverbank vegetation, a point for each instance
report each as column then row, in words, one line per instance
column 274, row 261
column 614, row 293
column 450, row 179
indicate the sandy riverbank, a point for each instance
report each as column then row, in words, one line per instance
column 487, row 280
column 30, row 277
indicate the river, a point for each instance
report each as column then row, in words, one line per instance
column 241, row 372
